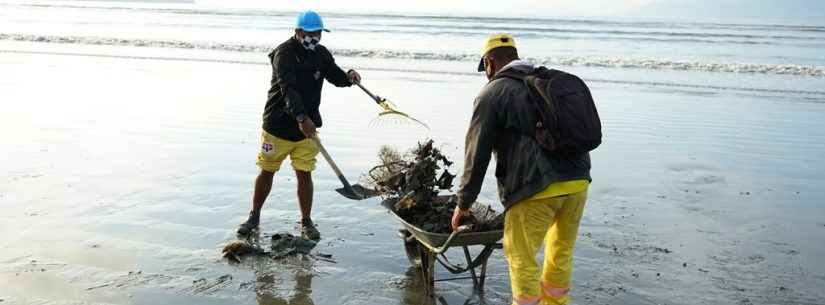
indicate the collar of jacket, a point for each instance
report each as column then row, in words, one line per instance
column 299, row 48
column 517, row 65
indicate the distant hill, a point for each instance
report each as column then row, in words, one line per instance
column 794, row 11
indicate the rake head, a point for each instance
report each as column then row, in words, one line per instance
column 390, row 116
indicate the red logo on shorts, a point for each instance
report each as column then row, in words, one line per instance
column 267, row 147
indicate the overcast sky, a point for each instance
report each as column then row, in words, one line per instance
column 450, row 7
column 807, row 12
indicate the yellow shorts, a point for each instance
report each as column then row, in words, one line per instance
column 274, row 151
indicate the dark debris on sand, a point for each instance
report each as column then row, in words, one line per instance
column 283, row 245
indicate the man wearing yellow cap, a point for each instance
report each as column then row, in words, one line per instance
column 543, row 193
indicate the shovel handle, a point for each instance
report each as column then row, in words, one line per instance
column 376, row 98
column 332, row 164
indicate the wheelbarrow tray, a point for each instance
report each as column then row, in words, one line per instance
column 435, row 240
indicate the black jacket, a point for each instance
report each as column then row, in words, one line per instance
column 502, row 116
column 297, row 78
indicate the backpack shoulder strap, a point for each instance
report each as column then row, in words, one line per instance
column 540, row 98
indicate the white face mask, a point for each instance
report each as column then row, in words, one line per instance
column 310, row 42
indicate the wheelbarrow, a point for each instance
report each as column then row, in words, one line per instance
column 425, row 248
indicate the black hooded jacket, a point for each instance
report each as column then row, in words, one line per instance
column 297, row 78
column 502, row 115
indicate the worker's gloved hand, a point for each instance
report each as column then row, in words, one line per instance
column 458, row 215
column 354, row 77
column 307, row 127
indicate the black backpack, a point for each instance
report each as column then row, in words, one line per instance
column 568, row 122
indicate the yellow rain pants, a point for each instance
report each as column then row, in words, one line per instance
column 551, row 216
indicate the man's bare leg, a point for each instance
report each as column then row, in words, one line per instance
column 263, row 185
column 305, row 192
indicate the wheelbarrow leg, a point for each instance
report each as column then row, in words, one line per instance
column 442, row 301
column 431, row 274
column 483, row 277
column 472, row 270
column 427, row 270
column 422, row 268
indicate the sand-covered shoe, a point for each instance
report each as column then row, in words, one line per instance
column 309, row 231
column 250, row 224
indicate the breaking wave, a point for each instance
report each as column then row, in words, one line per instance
column 585, row 61
column 809, row 95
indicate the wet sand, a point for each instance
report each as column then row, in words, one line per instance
column 123, row 178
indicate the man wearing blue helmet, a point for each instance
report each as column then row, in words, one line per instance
column 299, row 67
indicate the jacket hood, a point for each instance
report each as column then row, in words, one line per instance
column 518, row 65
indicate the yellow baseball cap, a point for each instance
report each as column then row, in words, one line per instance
column 495, row 41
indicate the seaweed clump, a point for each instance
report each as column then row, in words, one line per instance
column 415, row 182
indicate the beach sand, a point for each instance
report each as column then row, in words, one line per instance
column 122, row 178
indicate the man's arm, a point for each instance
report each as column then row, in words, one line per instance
column 284, row 63
column 478, row 150
column 335, row 75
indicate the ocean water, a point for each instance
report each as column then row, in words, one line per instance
column 129, row 133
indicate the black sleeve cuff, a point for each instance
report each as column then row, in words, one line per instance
column 348, row 79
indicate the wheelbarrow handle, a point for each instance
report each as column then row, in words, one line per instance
column 446, row 245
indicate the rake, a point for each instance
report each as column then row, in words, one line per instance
column 389, row 115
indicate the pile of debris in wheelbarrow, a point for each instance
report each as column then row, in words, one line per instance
column 420, row 185
column 416, row 187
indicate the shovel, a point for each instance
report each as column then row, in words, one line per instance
column 354, row 192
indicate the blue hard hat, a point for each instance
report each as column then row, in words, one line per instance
column 310, row 21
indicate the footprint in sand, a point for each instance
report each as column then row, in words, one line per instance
column 134, row 279
column 696, row 175
column 203, row 286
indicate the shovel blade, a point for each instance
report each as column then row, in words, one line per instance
column 357, row 192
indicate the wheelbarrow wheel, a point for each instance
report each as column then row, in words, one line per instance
column 412, row 247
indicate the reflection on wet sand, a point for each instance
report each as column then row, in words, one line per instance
column 413, row 293
column 288, row 281
column 301, row 294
